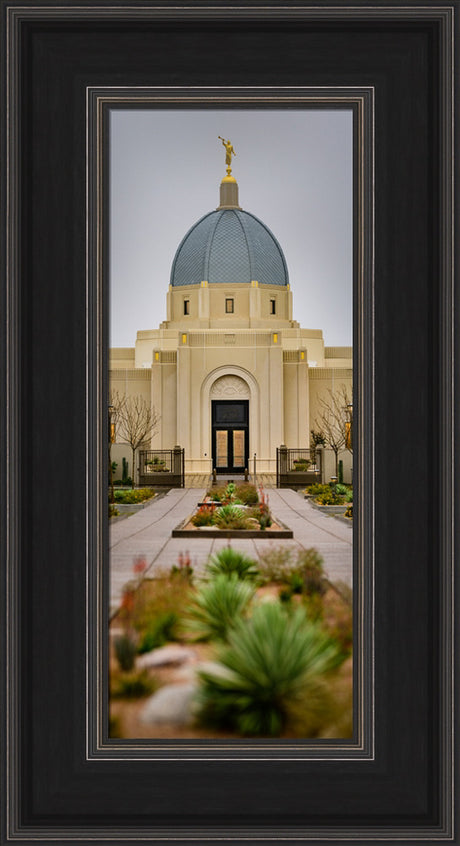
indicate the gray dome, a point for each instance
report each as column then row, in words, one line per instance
column 229, row 246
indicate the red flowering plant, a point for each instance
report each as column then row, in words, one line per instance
column 261, row 511
column 130, row 600
column 205, row 515
column 184, row 567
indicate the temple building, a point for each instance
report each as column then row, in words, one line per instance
column 230, row 373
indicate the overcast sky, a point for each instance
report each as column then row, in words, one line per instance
column 294, row 171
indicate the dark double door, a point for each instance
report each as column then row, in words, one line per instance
column 230, row 435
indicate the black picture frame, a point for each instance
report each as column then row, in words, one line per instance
column 53, row 533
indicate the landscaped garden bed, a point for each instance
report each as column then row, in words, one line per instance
column 129, row 501
column 233, row 511
column 336, row 500
column 251, row 648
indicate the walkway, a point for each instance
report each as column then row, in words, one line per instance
column 204, row 480
column 148, row 533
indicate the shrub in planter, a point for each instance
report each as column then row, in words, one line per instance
column 217, row 605
column 329, row 497
column 301, row 464
column 134, row 496
column 316, row 489
column 205, row 516
column 269, row 676
column 229, row 561
column 231, row 517
column 261, row 513
column 247, row 494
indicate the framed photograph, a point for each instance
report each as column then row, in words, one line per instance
column 233, row 383
column 69, row 72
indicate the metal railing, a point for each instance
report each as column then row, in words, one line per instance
column 297, row 467
column 160, row 467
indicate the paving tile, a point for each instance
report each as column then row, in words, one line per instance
column 148, row 533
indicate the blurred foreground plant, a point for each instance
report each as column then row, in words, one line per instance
column 217, row 605
column 270, row 676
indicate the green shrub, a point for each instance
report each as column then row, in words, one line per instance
column 247, row 494
column 134, row 496
column 159, row 630
column 113, row 511
column 329, row 497
column 205, row 516
column 158, row 599
column 341, row 489
column 349, row 495
column 299, row 571
column 125, row 652
column 131, row 685
column 316, row 489
column 276, row 565
column 228, row 561
column 231, row 517
column 217, row 605
column 261, row 513
column 349, row 511
column 310, row 567
column 269, row 674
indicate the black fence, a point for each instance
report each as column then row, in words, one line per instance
column 162, row 467
column 296, row 468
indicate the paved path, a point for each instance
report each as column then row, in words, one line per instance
column 148, row 533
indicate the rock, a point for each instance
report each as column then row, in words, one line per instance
column 173, row 653
column 189, row 671
column 172, row 703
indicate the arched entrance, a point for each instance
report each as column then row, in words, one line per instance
column 230, row 424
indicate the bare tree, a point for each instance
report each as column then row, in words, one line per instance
column 116, row 403
column 137, row 421
column 334, row 420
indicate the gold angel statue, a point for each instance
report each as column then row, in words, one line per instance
column 229, row 152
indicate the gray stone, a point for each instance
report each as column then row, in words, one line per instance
column 172, row 703
column 173, row 653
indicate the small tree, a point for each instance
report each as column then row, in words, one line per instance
column 137, row 421
column 333, row 421
column 316, row 438
column 115, row 405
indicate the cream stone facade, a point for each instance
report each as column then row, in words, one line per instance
column 230, row 372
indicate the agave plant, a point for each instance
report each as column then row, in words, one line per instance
column 231, row 517
column 228, row 561
column 217, row 605
column 272, row 666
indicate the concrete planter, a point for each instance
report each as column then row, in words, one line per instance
column 330, row 509
column 132, row 507
column 183, row 530
column 298, row 479
column 160, row 478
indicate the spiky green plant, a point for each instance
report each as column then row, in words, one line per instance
column 230, row 517
column 217, row 605
column 228, row 561
column 270, row 673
